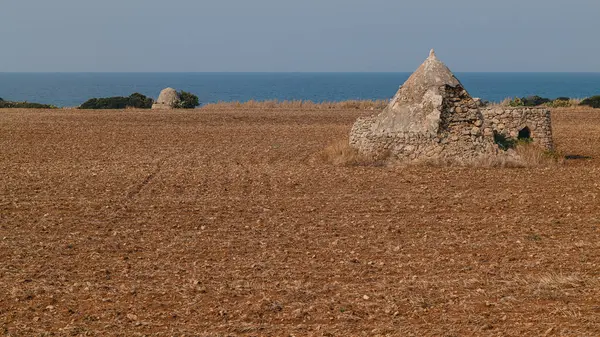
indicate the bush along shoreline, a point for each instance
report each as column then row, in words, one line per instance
column 24, row 105
column 593, row 101
column 135, row 100
column 187, row 100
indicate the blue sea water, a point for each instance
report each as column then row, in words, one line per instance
column 72, row 89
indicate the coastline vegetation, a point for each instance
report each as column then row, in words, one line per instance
column 24, row 105
column 593, row 101
column 135, row 100
column 187, row 100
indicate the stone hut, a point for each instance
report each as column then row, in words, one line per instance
column 167, row 99
column 431, row 116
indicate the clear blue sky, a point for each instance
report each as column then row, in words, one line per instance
column 299, row 35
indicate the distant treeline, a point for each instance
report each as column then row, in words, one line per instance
column 135, row 100
column 24, row 105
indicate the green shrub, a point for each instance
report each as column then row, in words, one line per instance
column 24, row 105
column 515, row 102
column 593, row 101
column 136, row 100
column 563, row 98
column 187, row 100
column 105, row 103
column 534, row 100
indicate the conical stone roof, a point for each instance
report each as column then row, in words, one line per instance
column 417, row 105
column 168, row 96
column 168, row 99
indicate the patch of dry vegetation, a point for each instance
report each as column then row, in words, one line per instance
column 558, row 286
column 504, row 102
column 526, row 154
column 531, row 155
column 298, row 105
column 572, row 102
column 556, row 281
column 340, row 153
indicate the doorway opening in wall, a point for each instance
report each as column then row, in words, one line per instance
column 524, row 135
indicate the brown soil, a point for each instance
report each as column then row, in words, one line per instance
column 228, row 223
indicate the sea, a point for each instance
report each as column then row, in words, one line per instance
column 72, row 89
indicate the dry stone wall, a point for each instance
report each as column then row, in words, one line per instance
column 455, row 133
column 520, row 122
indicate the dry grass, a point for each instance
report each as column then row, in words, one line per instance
column 340, row 153
column 555, row 281
column 298, row 105
column 575, row 101
column 558, row 286
column 531, row 155
column 504, row 102
column 526, row 155
column 572, row 102
column 501, row 160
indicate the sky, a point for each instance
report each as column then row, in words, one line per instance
column 298, row 36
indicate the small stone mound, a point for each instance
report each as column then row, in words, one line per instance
column 431, row 117
column 168, row 99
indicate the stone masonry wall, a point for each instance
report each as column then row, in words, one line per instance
column 509, row 121
column 409, row 145
column 413, row 146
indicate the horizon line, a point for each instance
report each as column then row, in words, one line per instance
column 288, row 72
column 285, row 72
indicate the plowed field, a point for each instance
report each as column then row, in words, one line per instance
column 227, row 223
